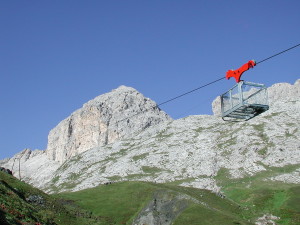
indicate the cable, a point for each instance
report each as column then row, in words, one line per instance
column 277, row 54
column 157, row 106
column 172, row 99
column 186, row 93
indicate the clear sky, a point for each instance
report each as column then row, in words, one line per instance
column 56, row 55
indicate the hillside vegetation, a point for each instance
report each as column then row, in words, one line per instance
column 140, row 202
column 21, row 203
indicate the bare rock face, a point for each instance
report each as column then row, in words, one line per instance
column 283, row 92
column 103, row 120
column 33, row 167
column 276, row 93
column 216, row 106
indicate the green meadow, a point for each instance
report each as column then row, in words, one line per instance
column 121, row 202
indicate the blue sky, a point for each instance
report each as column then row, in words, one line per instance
column 57, row 55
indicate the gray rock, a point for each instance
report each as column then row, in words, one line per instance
column 162, row 209
column 8, row 171
column 284, row 92
column 36, row 199
column 267, row 219
column 102, row 121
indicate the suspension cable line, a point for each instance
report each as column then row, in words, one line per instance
column 278, row 54
column 198, row 88
column 205, row 85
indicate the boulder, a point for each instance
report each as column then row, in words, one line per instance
column 5, row 170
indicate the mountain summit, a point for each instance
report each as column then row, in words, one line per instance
column 103, row 120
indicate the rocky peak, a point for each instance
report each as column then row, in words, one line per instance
column 103, row 120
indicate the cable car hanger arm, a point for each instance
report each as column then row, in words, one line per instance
column 239, row 72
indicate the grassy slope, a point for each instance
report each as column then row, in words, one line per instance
column 121, row 202
column 117, row 202
column 261, row 196
column 247, row 199
column 15, row 209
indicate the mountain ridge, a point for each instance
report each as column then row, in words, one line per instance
column 195, row 151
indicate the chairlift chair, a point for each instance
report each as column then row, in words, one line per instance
column 244, row 100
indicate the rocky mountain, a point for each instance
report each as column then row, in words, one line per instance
column 90, row 147
column 102, row 121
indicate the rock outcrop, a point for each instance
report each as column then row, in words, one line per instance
column 103, row 120
column 8, row 171
column 284, row 92
column 163, row 208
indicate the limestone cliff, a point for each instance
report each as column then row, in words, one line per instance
column 101, row 121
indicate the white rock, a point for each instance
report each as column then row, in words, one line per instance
column 33, row 167
column 267, row 219
column 102, row 121
column 191, row 149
